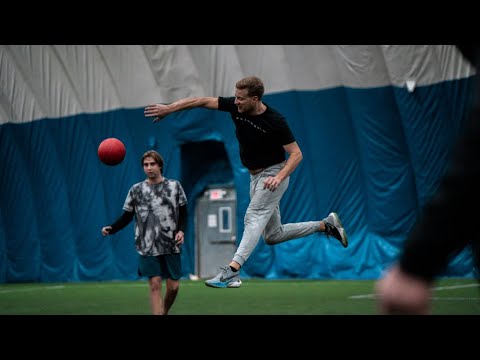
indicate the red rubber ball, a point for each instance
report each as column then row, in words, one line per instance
column 111, row 151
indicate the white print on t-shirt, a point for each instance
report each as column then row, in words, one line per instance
column 251, row 123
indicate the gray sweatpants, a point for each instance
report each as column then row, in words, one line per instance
column 263, row 216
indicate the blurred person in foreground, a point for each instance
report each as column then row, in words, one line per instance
column 159, row 207
column 445, row 226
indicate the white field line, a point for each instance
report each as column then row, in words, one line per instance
column 28, row 289
column 61, row 287
column 144, row 284
column 438, row 288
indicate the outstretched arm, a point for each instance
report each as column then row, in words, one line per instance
column 159, row 111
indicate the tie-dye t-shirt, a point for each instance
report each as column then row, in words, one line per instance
column 156, row 208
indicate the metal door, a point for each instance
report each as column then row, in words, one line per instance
column 215, row 224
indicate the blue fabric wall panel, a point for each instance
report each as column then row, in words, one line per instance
column 371, row 155
column 385, row 161
column 23, row 252
column 6, row 155
column 462, row 265
column 3, row 247
column 432, row 118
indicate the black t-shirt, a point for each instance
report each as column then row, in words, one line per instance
column 261, row 137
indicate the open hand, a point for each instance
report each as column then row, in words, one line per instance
column 158, row 111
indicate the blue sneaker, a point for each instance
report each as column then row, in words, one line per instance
column 334, row 227
column 225, row 279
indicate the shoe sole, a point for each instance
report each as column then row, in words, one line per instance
column 232, row 285
column 342, row 231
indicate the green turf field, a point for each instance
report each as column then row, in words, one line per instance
column 255, row 297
